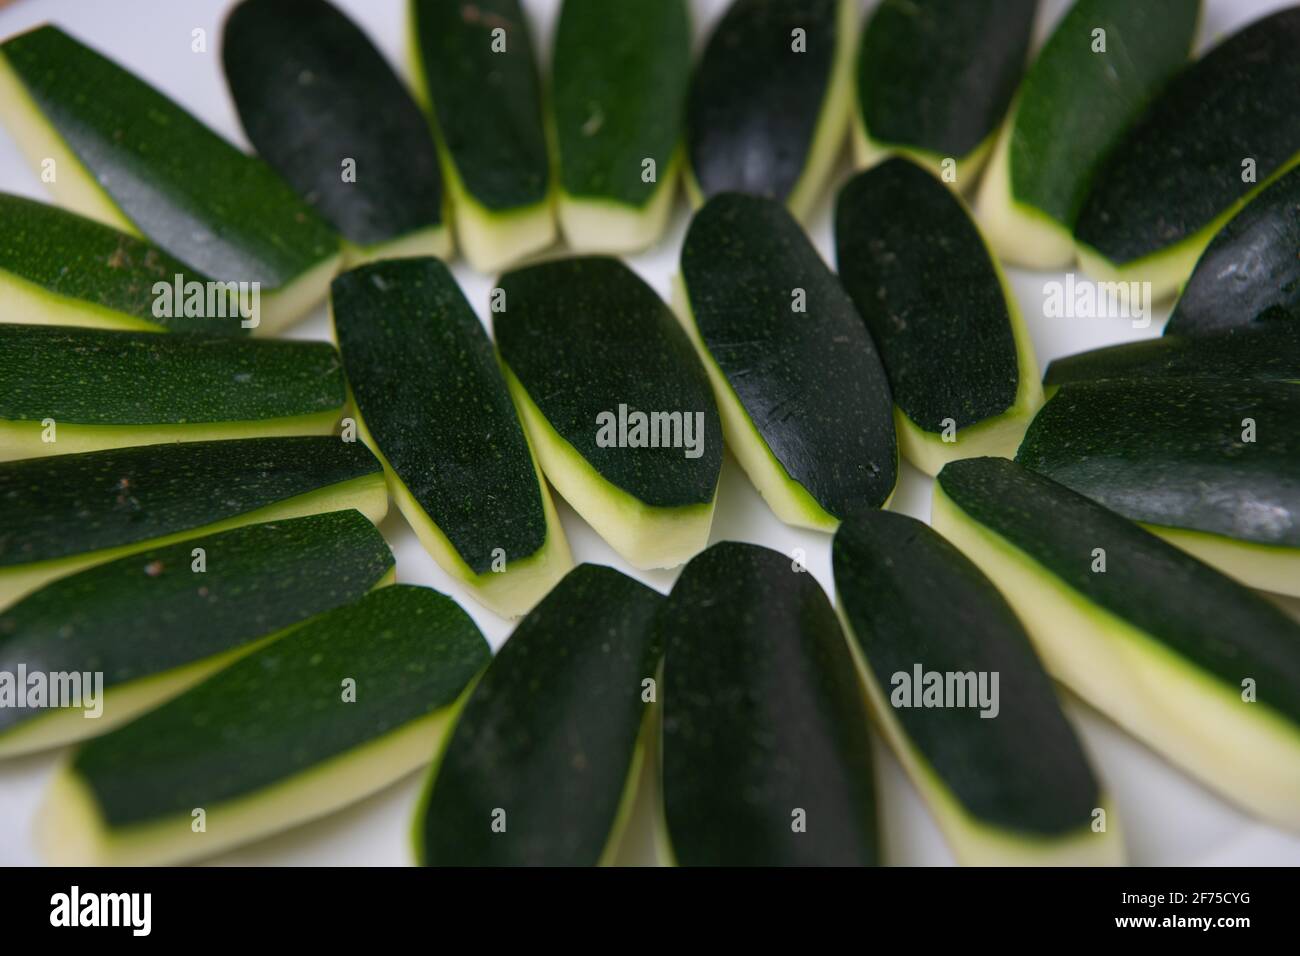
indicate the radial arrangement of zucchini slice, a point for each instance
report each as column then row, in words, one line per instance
column 65, row 390
column 964, row 701
column 155, row 623
column 618, row 97
column 616, row 404
column 1196, row 665
column 61, row 514
column 1220, row 131
column 1212, row 466
column 1249, row 274
column 58, row 268
column 769, row 102
column 804, row 399
column 476, row 72
column 1269, row 352
column 324, row 108
column 1104, row 63
column 345, row 705
column 765, row 750
column 960, row 361
column 542, row 765
column 432, row 403
column 121, row 152
column 935, row 78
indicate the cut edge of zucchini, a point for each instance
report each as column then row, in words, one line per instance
column 1267, row 567
column 601, row 225
column 433, row 241
column 869, row 151
column 631, row 790
column 286, row 304
column 1195, row 721
column 22, row 300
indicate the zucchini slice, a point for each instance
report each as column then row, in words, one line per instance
column 65, row 390
column 935, row 78
column 542, row 765
column 616, row 404
column 960, row 361
column 1164, row 645
column 432, row 404
column 475, row 69
column 1212, row 466
column 766, row 750
column 350, row 702
column 964, row 700
column 769, row 102
column 618, row 98
column 804, row 399
column 58, row 268
column 1249, row 274
column 314, row 95
column 1075, row 104
column 1220, row 132
column 156, row 623
column 1270, row 352
column 127, row 155
column 61, row 514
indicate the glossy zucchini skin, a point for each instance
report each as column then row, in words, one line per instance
column 312, row 91
column 549, row 734
column 1249, row 274
column 763, row 716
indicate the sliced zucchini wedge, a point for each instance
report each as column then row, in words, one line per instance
column 324, row 108
column 1219, row 132
column 432, row 404
column 1103, row 64
column 1249, row 274
column 770, row 101
column 155, row 623
column 541, row 768
column 619, row 77
column 804, row 399
column 350, row 702
column 1212, row 466
column 935, row 78
column 58, row 268
column 1189, row 661
column 964, row 701
column 62, row 514
column 616, row 404
column 65, row 390
column 766, row 749
column 476, row 72
column 960, row 361
column 129, row 156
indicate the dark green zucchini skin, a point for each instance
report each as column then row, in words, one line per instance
column 70, row 255
column 938, row 75
column 410, row 650
column 1170, row 453
column 917, row 268
column 1270, row 352
column 753, row 105
column 1179, row 165
column 1206, row 617
column 812, row 383
column 97, row 377
column 171, row 175
column 585, row 335
column 488, row 105
column 762, row 715
column 150, row 612
column 1023, row 770
column 73, row 504
column 312, row 90
column 1249, row 274
column 619, row 80
column 426, row 381
column 549, row 732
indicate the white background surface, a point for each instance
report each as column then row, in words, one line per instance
column 1166, row 817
